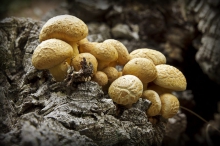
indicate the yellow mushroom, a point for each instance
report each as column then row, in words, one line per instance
column 123, row 55
column 52, row 54
column 155, row 106
column 154, row 55
column 126, row 90
column 142, row 68
column 169, row 105
column 170, row 77
column 82, row 41
column 76, row 62
column 119, row 73
column 111, row 73
column 101, row 78
column 65, row 27
column 104, row 52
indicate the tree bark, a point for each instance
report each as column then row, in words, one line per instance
column 36, row 110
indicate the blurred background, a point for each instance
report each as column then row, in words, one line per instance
column 27, row 8
column 186, row 31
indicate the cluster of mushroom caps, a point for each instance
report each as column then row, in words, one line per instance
column 144, row 73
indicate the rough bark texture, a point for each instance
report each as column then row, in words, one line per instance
column 183, row 30
column 206, row 15
column 36, row 110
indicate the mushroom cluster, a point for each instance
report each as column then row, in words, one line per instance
column 143, row 72
column 158, row 80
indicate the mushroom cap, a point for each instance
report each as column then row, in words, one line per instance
column 111, row 72
column 170, row 77
column 76, row 62
column 169, row 105
column 154, row 55
column 142, row 68
column 65, row 27
column 126, row 90
column 101, row 78
column 123, row 55
column 155, row 106
column 102, row 51
column 50, row 53
column 86, row 46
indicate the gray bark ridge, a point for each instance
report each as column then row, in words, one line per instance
column 206, row 15
column 38, row 111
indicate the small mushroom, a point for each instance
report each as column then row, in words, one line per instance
column 154, row 55
column 65, row 27
column 155, row 106
column 76, row 62
column 142, row 68
column 104, row 52
column 52, row 54
column 126, row 90
column 101, row 78
column 169, row 105
column 123, row 55
column 170, row 77
column 111, row 73
column 119, row 73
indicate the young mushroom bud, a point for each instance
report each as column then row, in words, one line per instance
column 101, row 78
column 52, row 54
column 154, row 55
column 65, row 27
column 126, row 90
column 112, row 73
column 155, row 106
column 142, row 68
column 170, row 77
column 76, row 62
column 123, row 55
column 119, row 73
column 169, row 105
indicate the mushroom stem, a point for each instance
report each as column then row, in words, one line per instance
column 145, row 85
column 59, row 71
column 75, row 48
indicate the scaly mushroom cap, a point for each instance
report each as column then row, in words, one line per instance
column 123, row 55
column 64, row 27
column 50, row 53
column 155, row 106
column 142, row 68
column 76, row 62
column 170, row 77
column 154, row 55
column 111, row 72
column 126, row 90
column 169, row 105
column 101, row 78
